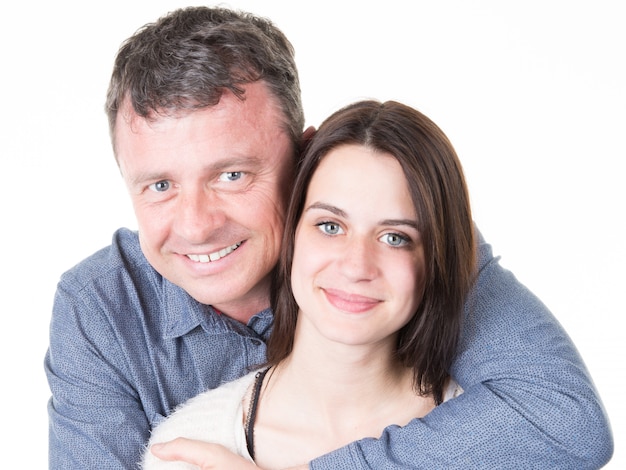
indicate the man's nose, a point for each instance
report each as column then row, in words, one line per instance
column 199, row 213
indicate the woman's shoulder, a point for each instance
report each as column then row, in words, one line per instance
column 202, row 415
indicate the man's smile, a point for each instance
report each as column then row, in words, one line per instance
column 207, row 258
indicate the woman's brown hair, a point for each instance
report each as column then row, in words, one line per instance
column 428, row 343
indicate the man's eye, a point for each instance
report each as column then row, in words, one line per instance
column 394, row 239
column 230, row 176
column 160, row 186
column 329, row 228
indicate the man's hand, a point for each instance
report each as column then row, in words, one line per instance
column 204, row 455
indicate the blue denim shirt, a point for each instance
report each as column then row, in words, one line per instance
column 127, row 346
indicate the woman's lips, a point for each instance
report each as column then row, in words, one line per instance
column 351, row 303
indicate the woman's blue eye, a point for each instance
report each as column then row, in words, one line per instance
column 329, row 228
column 394, row 239
column 160, row 186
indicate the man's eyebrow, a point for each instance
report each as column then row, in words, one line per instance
column 234, row 164
column 144, row 177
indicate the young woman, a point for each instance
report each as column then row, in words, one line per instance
column 378, row 256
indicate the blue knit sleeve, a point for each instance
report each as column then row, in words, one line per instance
column 528, row 399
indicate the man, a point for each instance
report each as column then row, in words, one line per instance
column 206, row 125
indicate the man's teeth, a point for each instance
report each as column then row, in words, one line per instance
column 214, row 256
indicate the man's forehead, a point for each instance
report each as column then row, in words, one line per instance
column 128, row 116
column 230, row 127
column 257, row 106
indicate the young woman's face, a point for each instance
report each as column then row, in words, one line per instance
column 358, row 269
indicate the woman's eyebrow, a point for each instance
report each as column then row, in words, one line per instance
column 341, row 213
column 408, row 222
column 327, row 207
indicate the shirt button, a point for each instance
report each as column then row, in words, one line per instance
column 256, row 342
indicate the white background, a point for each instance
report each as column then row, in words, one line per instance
column 531, row 93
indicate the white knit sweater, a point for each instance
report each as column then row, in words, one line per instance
column 206, row 417
column 217, row 416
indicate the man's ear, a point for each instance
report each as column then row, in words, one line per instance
column 307, row 135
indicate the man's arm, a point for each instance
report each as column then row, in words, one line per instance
column 528, row 399
column 95, row 417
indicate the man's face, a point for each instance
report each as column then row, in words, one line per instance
column 209, row 190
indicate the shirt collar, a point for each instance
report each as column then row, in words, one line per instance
column 183, row 313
